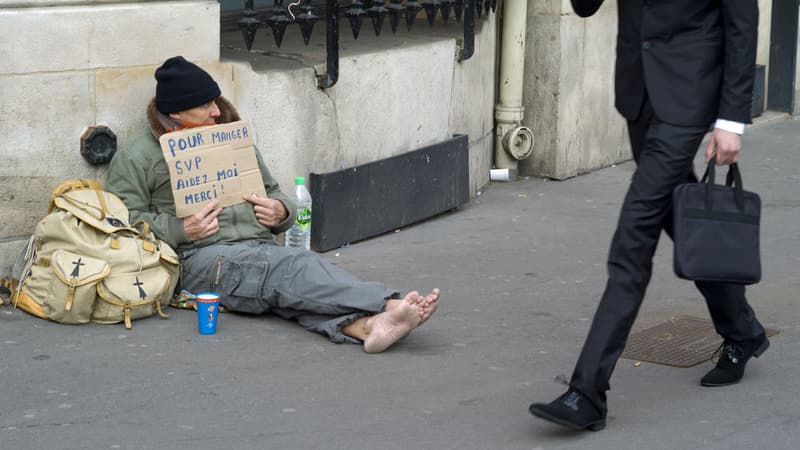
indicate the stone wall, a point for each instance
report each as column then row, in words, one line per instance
column 569, row 95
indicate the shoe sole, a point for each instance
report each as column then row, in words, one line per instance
column 597, row 425
column 759, row 351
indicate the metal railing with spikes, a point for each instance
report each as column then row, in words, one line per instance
column 301, row 12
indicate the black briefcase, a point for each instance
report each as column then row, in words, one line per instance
column 716, row 230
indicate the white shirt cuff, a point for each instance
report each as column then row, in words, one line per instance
column 729, row 125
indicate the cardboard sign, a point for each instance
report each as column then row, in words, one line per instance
column 213, row 162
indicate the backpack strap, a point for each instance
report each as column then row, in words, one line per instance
column 161, row 311
column 128, row 306
column 101, row 211
column 142, row 228
column 73, row 185
column 22, row 267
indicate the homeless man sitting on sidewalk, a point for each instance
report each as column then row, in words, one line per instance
column 231, row 250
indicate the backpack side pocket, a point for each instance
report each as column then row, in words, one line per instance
column 72, row 291
column 130, row 296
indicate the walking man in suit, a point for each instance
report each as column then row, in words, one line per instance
column 681, row 66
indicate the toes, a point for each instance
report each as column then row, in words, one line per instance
column 412, row 297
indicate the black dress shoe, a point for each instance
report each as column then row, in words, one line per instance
column 733, row 358
column 572, row 410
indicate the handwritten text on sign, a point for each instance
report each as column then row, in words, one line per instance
column 213, row 162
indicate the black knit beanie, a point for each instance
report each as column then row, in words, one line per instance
column 183, row 85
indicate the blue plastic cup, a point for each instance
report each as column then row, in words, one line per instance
column 207, row 312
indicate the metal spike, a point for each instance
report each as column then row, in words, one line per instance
column 395, row 9
column 459, row 9
column 430, row 10
column 446, row 6
column 494, row 6
column 306, row 21
column 486, row 5
column 412, row 8
column 355, row 15
column 377, row 12
column 278, row 22
column 249, row 25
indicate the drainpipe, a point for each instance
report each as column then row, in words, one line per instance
column 513, row 142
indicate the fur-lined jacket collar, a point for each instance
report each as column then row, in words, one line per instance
column 227, row 111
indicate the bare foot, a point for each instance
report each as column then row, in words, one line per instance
column 427, row 305
column 393, row 324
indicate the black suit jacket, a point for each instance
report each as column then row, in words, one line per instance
column 695, row 59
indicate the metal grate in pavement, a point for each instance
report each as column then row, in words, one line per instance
column 682, row 341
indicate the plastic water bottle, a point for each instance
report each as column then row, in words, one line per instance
column 299, row 235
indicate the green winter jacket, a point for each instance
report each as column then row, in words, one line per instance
column 138, row 174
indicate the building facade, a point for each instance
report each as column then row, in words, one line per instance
column 68, row 65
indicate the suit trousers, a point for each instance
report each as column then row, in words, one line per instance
column 664, row 156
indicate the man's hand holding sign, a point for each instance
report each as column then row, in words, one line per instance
column 269, row 212
column 203, row 223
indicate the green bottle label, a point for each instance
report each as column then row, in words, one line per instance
column 304, row 218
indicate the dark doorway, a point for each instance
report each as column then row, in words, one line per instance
column 783, row 56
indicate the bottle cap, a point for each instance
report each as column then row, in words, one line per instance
column 299, row 180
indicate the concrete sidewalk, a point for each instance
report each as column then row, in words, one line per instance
column 521, row 269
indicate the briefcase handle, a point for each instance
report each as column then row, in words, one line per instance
column 733, row 180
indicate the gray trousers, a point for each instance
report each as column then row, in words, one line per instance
column 257, row 277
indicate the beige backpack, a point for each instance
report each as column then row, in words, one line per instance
column 85, row 262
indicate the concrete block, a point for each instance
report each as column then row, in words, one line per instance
column 47, row 114
column 62, row 38
column 295, row 123
column 572, row 106
column 25, row 201
column 548, row 7
column 31, row 3
column 384, row 111
column 369, row 114
column 54, row 110
column 764, row 28
column 796, row 103
column 764, row 38
column 570, row 92
column 594, row 136
column 122, row 96
column 603, row 138
column 471, row 80
column 542, row 91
